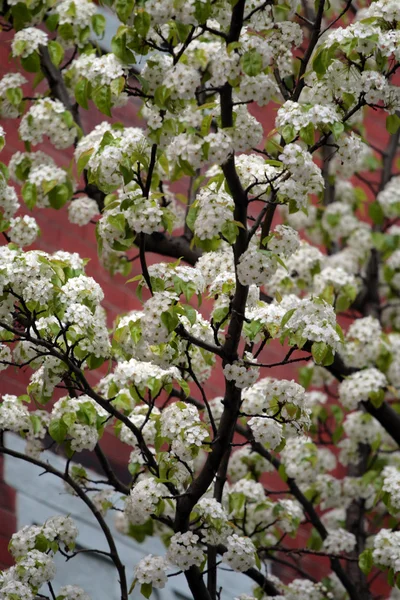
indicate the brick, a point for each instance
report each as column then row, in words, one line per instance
column 8, row 522
column 7, row 496
column 6, row 560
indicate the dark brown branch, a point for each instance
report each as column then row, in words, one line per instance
column 310, row 49
column 184, row 334
column 112, row 478
column 57, row 85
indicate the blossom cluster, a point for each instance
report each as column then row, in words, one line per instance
column 267, row 226
column 33, row 548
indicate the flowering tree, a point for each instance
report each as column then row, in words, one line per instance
column 198, row 464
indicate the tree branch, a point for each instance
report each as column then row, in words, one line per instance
column 57, row 85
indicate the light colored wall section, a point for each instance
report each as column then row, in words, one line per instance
column 39, row 499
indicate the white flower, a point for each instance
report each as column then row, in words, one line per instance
column 338, row 541
column 214, row 209
column 8, row 202
column 240, row 554
column 242, row 375
column 360, row 385
column 391, row 484
column 82, row 210
column 24, row 230
column 72, row 592
column 143, row 500
column 387, row 549
column 389, row 198
column 26, row 41
column 152, row 569
column 266, row 431
column 5, row 356
column 35, row 568
column 10, row 82
column 184, row 551
column 256, row 267
column 50, row 118
column 15, row 590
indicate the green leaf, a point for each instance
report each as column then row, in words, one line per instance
column 365, row 561
column 146, row 589
column 124, row 9
column 321, row 62
column 161, row 95
column 87, row 413
column 230, row 231
column 140, row 532
column 94, row 362
column 58, row 430
column 337, row 129
column 101, row 96
column 29, row 194
column 305, row 376
column 41, row 543
column 68, row 118
column 36, row 423
column 288, row 133
column 119, row 47
column 314, row 541
column 56, row 52
column 185, row 387
column 14, row 96
column 18, row 47
column 307, row 134
column 202, row 11
column 348, row 100
column 392, row 123
column 170, row 320
column 117, row 85
column 99, row 24
column 118, row 222
column 59, row 196
column 191, row 217
column 376, row 213
column 337, row 434
column 282, row 472
column 190, row 314
column 376, row 398
column 342, row 303
column 319, row 351
column 21, row 16
column 31, row 63
column 286, row 317
column 52, row 22
column 84, row 159
column 252, row 63
column 81, row 92
column 220, row 315
column 340, row 333
column 141, row 23
column 66, row 31
column 323, row 59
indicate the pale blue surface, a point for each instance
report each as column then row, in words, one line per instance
column 37, row 500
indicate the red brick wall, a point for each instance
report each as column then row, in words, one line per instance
column 8, row 520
